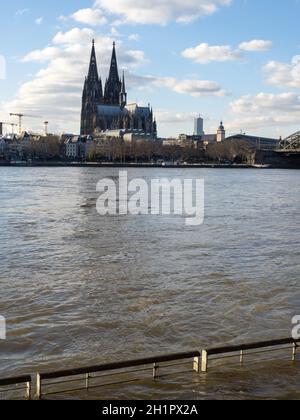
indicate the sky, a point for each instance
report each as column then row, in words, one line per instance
column 231, row 60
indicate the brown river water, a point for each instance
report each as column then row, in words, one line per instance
column 81, row 289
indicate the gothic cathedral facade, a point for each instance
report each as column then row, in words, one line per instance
column 107, row 109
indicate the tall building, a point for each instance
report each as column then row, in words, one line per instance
column 198, row 126
column 106, row 108
column 221, row 133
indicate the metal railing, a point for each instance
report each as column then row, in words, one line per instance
column 10, row 385
column 259, row 347
column 120, row 367
column 87, row 378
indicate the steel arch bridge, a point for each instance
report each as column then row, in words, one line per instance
column 291, row 143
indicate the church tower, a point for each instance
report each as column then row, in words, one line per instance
column 113, row 86
column 108, row 110
column 91, row 97
column 123, row 94
column 221, row 133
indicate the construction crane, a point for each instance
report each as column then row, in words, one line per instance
column 20, row 116
column 8, row 123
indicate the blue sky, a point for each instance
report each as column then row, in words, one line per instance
column 234, row 60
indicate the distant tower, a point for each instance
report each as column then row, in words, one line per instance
column 221, row 133
column 92, row 96
column 123, row 94
column 113, row 86
column 198, row 126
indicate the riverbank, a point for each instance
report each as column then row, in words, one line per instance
column 131, row 165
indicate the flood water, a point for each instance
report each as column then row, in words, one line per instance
column 81, row 289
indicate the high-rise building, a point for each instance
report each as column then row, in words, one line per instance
column 107, row 109
column 198, row 126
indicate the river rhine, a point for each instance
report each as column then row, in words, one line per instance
column 80, row 289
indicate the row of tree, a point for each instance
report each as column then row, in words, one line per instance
column 116, row 150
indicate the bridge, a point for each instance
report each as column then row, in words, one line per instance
column 290, row 145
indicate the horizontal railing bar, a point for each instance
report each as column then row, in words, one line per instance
column 4, row 391
column 270, row 350
column 174, row 365
column 15, row 381
column 108, row 384
column 117, row 383
column 167, row 375
column 91, row 378
column 128, row 372
column 253, row 346
column 246, row 353
column 67, row 391
column 120, row 365
column 253, row 362
column 70, row 381
column 91, row 387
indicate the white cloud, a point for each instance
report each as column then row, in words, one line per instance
column 62, row 18
column 167, row 117
column 39, row 20
column 284, row 75
column 256, row 45
column 74, row 36
column 21, row 12
column 93, row 17
column 195, row 88
column 46, row 54
column 265, row 110
column 134, row 37
column 273, row 126
column 115, row 32
column 160, row 11
column 205, row 53
column 55, row 91
column 283, row 102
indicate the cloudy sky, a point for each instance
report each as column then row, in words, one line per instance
column 236, row 60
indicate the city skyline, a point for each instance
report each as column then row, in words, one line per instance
column 235, row 61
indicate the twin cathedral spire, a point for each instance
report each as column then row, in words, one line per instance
column 104, row 107
column 114, row 92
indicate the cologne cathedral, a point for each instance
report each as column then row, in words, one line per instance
column 107, row 109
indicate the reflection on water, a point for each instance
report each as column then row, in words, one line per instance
column 79, row 289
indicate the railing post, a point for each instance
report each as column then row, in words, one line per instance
column 28, row 391
column 155, row 370
column 295, row 345
column 204, row 362
column 197, row 364
column 241, row 357
column 87, row 381
column 38, row 387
